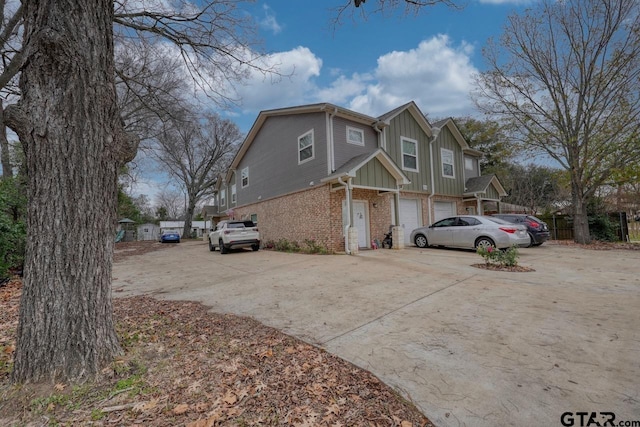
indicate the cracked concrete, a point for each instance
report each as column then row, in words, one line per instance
column 469, row 347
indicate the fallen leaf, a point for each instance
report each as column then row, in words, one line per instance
column 59, row 386
column 406, row 424
column 181, row 409
column 230, row 398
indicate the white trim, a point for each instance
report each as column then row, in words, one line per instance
column 242, row 177
column 312, row 145
column 402, row 153
column 357, row 130
column 442, row 163
column 364, row 187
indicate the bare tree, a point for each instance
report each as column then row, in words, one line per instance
column 195, row 153
column 173, row 203
column 67, row 120
column 73, row 136
column 363, row 8
column 567, row 75
column 10, row 32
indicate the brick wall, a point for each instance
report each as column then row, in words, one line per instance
column 295, row 217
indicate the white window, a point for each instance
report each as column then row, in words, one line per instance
column 447, row 163
column 223, row 194
column 409, row 154
column 233, row 193
column 305, row 147
column 468, row 163
column 355, row 136
column 254, row 218
column 245, row 176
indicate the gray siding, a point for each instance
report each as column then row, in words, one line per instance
column 272, row 158
column 344, row 151
column 404, row 125
column 443, row 185
column 374, row 174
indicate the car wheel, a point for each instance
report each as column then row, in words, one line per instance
column 211, row 247
column 255, row 247
column 421, row 241
column 484, row 243
column 223, row 248
column 532, row 241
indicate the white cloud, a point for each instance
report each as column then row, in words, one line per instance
column 293, row 85
column 269, row 22
column 437, row 75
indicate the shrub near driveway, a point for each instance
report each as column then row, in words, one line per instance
column 506, row 258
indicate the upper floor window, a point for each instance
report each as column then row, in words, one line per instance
column 468, row 164
column 244, row 176
column 447, row 163
column 355, row 136
column 223, row 194
column 233, row 193
column 305, row 147
column 409, row 154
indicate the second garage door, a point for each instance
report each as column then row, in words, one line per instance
column 444, row 210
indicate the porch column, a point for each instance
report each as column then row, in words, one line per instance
column 397, row 230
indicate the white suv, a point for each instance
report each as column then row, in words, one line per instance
column 234, row 234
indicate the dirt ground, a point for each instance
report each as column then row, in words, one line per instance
column 185, row 366
column 468, row 346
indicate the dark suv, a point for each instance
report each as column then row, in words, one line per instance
column 538, row 230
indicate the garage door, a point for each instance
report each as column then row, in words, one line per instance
column 444, row 210
column 409, row 217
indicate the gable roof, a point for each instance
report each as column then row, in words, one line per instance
column 301, row 109
column 350, row 168
column 480, row 184
column 455, row 131
column 413, row 109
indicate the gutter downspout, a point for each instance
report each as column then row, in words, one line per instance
column 349, row 221
column 434, row 135
column 330, row 142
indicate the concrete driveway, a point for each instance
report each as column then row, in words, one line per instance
column 469, row 347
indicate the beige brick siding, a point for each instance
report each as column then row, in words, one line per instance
column 316, row 214
column 295, row 217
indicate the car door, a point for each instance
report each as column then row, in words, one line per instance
column 466, row 231
column 441, row 233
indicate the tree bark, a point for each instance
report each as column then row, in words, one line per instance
column 581, row 232
column 68, row 123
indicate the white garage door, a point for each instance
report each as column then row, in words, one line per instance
column 444, row 210
column 410, row 214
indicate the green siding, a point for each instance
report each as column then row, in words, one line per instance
column 374, row 174
column 492, row 193
column 404, row 125
column 445, row 185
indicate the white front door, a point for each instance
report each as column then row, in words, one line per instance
column 360, row 221
column 409, row 217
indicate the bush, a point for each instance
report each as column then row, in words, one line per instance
column 12, row 226
column 502, row 258
column 284, row 245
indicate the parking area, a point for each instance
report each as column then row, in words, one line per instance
column 468, row 346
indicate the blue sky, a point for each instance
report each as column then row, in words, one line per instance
column 372, row 65
column 369, row 65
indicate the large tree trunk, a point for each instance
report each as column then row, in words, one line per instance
column 580, row 218
column 68, row 123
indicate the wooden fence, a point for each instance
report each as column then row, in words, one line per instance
column 561, row 226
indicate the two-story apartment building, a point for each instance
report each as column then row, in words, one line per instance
column 325, row 173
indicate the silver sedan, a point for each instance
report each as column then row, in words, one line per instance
column 472, row 232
